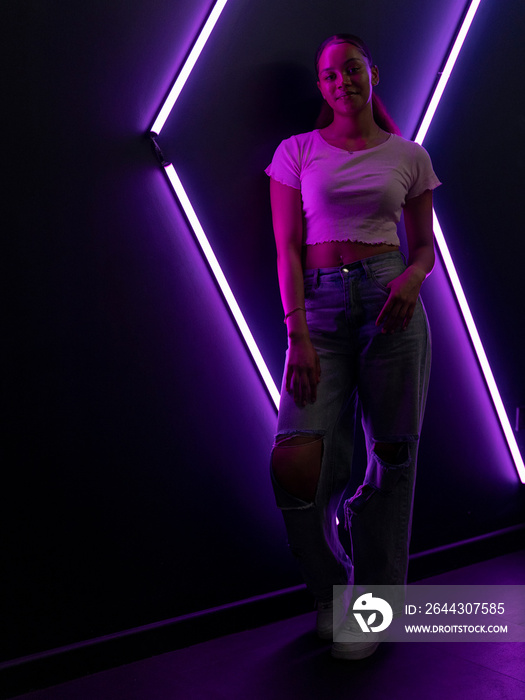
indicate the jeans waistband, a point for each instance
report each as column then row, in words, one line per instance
column 364, row 263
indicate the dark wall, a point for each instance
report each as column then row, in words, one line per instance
column 137, row 432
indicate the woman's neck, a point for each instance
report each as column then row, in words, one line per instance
column 362, row 127
column 352, row 135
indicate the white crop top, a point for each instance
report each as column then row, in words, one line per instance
column 355, row 196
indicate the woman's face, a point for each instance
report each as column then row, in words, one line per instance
column 346, row 78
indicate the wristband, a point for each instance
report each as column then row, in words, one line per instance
column 297, row 308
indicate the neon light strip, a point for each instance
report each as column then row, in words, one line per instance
column 447, row 70
column 164, row 113
column 447, row 258
column 480, row 351
column 188, row 66
column 222, row 282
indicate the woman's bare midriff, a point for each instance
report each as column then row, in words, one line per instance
column 337, row 253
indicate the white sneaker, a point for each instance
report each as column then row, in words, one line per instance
column 332, row 611
column 324, row 624
column 352, row 643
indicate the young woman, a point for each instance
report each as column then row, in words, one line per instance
column 357, row 333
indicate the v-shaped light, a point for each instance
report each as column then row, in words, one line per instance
column 186, row 205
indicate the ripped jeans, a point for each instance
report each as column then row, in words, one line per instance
column 388, row 375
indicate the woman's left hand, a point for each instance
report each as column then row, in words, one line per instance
column 401, row 303
column 404, row 290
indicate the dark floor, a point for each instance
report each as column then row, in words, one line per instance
column 285, row 660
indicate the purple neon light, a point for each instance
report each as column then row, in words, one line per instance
column 480, row 351
column 186, row 69
column 447, row 70
column 447, row 259
column 223, row 283
column 158, row 124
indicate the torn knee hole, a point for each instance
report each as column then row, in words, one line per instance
column 391, row 463
column 296, row 464
column 295, row 440
column 382, row 475
column 395, row 453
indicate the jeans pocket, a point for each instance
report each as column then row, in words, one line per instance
column 310, row 279
column 382, row 275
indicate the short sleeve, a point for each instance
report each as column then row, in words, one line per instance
column 423, row 175
column 285, row 165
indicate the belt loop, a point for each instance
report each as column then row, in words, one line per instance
column 318, row 277
column 366, row 268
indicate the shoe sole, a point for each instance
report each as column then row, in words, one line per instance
column 325, row 635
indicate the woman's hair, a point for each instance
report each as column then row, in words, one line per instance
column 326, row 115
column 343, row 39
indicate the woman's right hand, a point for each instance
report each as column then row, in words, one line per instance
column 303, row 370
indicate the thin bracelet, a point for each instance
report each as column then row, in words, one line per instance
column 297, row 308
